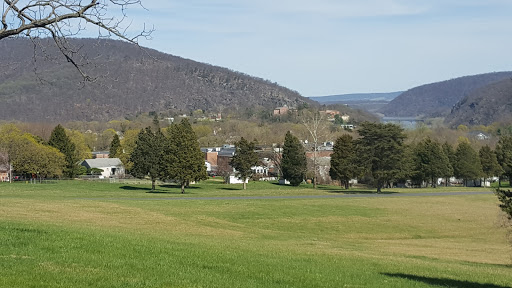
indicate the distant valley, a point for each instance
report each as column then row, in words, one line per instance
column 371, row 102
column 470, row 100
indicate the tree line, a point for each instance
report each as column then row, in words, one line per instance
column 380, row 157
column 377, row 155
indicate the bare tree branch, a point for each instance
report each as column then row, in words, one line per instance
column 316, row 126
column 60, row 19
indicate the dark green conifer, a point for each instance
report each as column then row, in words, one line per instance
column 293, row 162
column 183, row 161
column 244, row 159
column 63, row 143
column 380, row 151
column 147, row 155
column 343, row 160
column 115, row 147
column 467, row 163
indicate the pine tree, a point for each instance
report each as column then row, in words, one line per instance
column 450, row 153
column 489, row 161
column 244, row 159
column 115, row 147
column 431, row 162
column 343, row 160
column 380, row 151
column 467, row 163
column 504, row 156
column 147, row 155
column 63, row 143
column 293, row 162
column 183, row 160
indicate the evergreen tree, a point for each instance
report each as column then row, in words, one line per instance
column 63, row 143
column 505, row 197
column 147, row 155
column 407, row 165
column 115, row 147
column 450, row 153
column 489, row 161
column 467, row 163
column 293, row 162
column 183, row 160
column 244, row 159
column 380, row 151
column 431, row 162
column 343, row 160
column 504, row 156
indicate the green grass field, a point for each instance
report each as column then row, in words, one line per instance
column 85, row 234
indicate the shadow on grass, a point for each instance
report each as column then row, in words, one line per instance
column 442, row 282
column 231, row 188
column 358, row 192
column 158, row 191
column 333, row 189
column 175, row 186
column 133, row 188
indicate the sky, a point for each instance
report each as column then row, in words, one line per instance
column 328, row 47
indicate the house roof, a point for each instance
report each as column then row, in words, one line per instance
column 102, row 162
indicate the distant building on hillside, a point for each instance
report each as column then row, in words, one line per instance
column 100, row 154
column 279, row 111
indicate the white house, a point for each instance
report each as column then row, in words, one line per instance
column 112, row 167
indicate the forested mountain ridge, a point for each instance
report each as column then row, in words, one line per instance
column 437, row 99
column 484, row 106
column 130, row 80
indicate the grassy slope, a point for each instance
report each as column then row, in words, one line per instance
column 51, row 236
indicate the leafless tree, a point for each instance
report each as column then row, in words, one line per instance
column 316, row 125
column 60, row 19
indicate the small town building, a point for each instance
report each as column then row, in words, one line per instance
column 4, row 173
column 112, row 167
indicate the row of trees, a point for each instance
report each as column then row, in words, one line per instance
column 381, row 155
column 174, row 156
column 28, row 154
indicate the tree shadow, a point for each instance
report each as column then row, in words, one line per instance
column 352, row 192
column 176, row 186
column 133, row 188
column 231, row 189
column 443, row 282
column 162, row 192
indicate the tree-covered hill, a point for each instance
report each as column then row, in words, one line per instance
column 37, row 84
column 484, row 106
column 437, row 99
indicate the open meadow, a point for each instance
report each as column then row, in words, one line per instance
column 87, row 234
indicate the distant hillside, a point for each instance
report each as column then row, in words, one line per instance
column 437, row 99
column 491, row 103
column 130, row 81
column 344, row 98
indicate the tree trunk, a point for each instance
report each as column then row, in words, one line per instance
column 346, row 185
column 10, row 172
column 314, row 165
column 183, row 187
column 153, row 184
column 245, row 185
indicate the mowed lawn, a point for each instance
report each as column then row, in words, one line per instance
column 84, row 234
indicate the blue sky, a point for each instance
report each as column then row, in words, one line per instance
column 326, row 47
